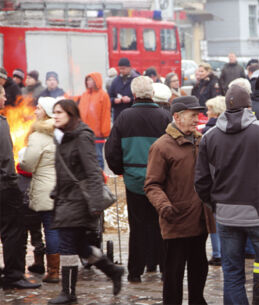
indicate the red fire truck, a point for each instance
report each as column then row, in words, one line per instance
column 74, row 48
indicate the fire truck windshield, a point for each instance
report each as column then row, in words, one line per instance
column 128, row 39
column 168, row 39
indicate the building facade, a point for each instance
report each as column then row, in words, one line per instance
column 234, row 28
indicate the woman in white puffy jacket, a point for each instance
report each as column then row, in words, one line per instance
column 39, row 159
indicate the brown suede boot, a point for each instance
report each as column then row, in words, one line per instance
column 52, row 275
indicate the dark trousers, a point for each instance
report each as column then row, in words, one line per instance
column 12, row 232
column 178, row 252
column 33, row 227
column 145, row 237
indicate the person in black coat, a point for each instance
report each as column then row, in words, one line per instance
column 120, row 91
column 208, row 85
column 126, row 152
column 12, row 223
column 76, row 148
column 231, row 71
column 12, row 90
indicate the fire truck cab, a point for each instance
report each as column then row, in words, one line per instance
column 74, row 49
column 145, row 42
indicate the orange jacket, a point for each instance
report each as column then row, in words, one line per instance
column 95, row 107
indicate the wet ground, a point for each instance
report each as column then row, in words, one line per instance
column 94, row 288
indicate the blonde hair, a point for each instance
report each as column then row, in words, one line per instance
column 205, row 66
column 242, row 82
column 217, row 104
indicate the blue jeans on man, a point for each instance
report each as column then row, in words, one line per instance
column 233, row 241
column 99, row 142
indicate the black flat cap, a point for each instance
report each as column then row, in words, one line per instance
column 185, row 103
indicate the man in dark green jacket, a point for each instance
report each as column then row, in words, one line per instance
column 126, row 151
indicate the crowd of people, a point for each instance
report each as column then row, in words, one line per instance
column 180, row 185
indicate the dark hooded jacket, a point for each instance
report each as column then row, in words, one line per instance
column 12, row 91
column 227, row 171
column 78, row 151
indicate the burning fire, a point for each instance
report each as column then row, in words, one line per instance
column 19, row 119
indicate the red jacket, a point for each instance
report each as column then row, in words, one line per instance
column 95, row 107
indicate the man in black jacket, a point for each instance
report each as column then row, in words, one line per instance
column 120, row 92
column 227, row 178
column 126, row 152
column 12, row 90
column 11, row 221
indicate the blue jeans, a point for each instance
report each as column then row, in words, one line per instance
column 249, row 247
column 233, row 241
column 51, row 236
column 99, row 151
column 74, row 241
column 215, row 242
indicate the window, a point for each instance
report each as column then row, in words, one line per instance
column 168, row 39
column 149, row 38
column 114, row 39
column 128, row 39
column 252, row 21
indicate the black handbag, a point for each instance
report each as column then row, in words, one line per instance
column 94, row 206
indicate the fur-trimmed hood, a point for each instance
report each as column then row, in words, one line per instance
column 178, row 136
column 43, row 126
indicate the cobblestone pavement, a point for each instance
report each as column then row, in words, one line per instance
column 94, row 288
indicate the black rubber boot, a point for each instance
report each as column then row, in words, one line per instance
column 113, row 271
column 64, row 297
column 38, row 265
column 74, row 274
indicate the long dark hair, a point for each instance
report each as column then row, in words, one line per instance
column 71, row 108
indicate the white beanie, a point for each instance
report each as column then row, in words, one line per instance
column 141, row 87
column 162, row 93
column 47, row 103
column 112, row 72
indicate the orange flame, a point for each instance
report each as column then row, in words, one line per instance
column 20, row 119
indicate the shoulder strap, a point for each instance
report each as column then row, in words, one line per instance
column 70, row 174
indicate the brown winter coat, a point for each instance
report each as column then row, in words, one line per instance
column 170, row 181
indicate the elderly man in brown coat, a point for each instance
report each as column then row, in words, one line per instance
column 184, row 219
